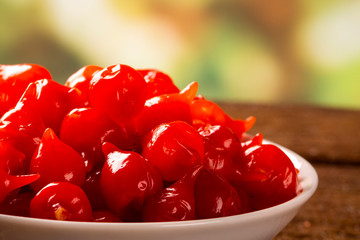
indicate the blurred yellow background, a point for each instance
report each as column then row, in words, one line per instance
column 256, row 51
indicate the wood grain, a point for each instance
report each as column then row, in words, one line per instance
column 318, row 134
column 334, row 210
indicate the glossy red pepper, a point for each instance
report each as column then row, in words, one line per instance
column 118, row 90
column 207, row 112
column 166, row 108
column 11, row 159
column 17, row 204
column 173, row 148
column 81, row 80
column 268, row 176
column 215, row 197
column 196, row 161
column 92, row 189
column 22, row 127
column 61, row 201
column 56, row 162
column 127, row 180
column 86, row 129
column 105, row 216
column 52, row 101
column 174, row 203
column 9, row 183
column 257, row 140
column 222, row 149
column 14, row 79
column 158, row 83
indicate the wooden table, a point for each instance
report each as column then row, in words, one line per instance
column 330, row 140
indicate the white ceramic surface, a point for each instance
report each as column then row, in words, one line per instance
column 259, row 225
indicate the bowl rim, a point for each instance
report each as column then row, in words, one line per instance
column 308, row 180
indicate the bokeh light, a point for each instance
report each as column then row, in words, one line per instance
column 270, row 52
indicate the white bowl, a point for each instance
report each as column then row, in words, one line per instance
column 258, row 225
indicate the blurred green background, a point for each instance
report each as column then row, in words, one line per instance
column 256, row 51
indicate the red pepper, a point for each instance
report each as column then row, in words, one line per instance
column 52, row 101
column 9, row 183
column 127, row 180
column 267, row 175
column 131, row 147
column 105, row 216
column 257, row 140
column 61, row 201
column 17, row 203
column 215, row 197
column 22, row 127
column 206, row 112
column 92, row 189
column 174, row 203
column 11, row 159
column 166, row 108
column 158, row 83
column 222, row 150
column 119, row 91
column 173, row 148
column 86, row 129
column 14, row 79
column 56, row 162
column 81, row 80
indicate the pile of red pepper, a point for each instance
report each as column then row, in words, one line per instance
column 117, row 144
